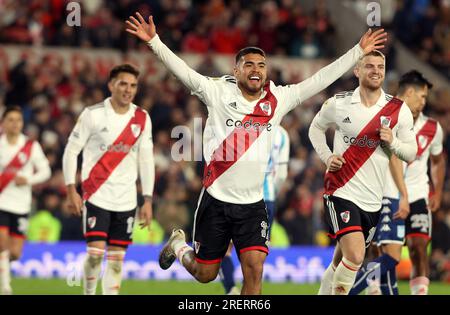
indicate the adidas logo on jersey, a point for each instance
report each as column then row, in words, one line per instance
column 347, row 120
column 233, row 104
column 104, row 130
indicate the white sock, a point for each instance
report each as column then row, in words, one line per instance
column 92, row 268
column 344, row 277
column 419, row 286
column 327, row 280
column 5, row 276
column 112, row 278
column 181, row 248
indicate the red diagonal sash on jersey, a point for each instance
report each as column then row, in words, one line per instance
column 15, row 165
column 355, row 156
column 240, row 139
column 427, row 133
column 111, row 159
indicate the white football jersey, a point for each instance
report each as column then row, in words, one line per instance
column 361, row 179
column 235, row 169
column 429, row 141
column 278, row 163
column 17, row 199
column 416, row 173
column 95, row 133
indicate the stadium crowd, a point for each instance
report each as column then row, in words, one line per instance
column 52, row 98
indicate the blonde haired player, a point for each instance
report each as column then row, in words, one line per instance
column 370, row 126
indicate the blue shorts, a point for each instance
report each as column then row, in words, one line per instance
column 390, row 231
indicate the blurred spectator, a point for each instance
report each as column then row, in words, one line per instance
column 43, row 226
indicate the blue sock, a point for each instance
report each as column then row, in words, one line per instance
column 227, row 273
column 388, row 283
column 384, row 263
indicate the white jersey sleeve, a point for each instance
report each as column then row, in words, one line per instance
column 146, row 160
column 436, row 146
column 404, row 144
column 282, row 164
column 41, row 165
column 198, row 84
column 77, row 140
column 323, row 120
column 295, row 94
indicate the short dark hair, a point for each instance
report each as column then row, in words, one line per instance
column 10, row 109
column 123, row 68
column 249, row 50
column 412, row 78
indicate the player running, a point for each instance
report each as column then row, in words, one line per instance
column 116, row 139
column 276, row 174
column 413, row 89
column 371, row 126
column 243, row 111
column 19, row 158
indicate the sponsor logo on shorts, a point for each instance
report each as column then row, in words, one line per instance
column 264, row 229
column 371, row 234
column 91, row 222
column 345, row 216
column 197, row 247
column 420, row 221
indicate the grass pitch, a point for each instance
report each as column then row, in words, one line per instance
column 135, row 287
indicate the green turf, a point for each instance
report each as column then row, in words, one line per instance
column 57, row 286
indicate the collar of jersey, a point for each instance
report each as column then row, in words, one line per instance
column 109, row 108
column 356, row 98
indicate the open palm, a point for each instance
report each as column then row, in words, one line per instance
column 373, row 40
column 141, row 29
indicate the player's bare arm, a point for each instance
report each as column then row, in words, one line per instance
column 146, row 213
column 396, row 168
column 74, row 199
column 437, row 176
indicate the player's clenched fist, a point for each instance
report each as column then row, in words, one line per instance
column 335, row 163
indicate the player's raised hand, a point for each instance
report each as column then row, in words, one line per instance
column 140, row 28
column 335, row 163
column 372, row 40
column 145, row 214
column 75, row 201
column 403, row 209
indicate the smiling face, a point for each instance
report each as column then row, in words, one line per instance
column 123, row 88
column 370, row 71
column 251, row 73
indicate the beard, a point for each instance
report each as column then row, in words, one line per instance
column 250, row 88
column 369, row 84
